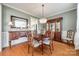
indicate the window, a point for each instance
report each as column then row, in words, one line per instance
column 34, row 23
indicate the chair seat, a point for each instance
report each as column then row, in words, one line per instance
column 36, row 43
column 46, row 41
column 68, row 39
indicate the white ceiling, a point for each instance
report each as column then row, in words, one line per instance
column 50, row 9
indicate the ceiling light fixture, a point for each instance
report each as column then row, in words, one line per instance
column 43, row 20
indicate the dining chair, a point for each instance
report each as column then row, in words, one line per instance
column 33, row 42
column 48, row 40
column 29, row 35
column 70, row 36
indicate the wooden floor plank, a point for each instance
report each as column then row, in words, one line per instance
column 60, row 49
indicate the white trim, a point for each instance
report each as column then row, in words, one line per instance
column 19, row 10
column 61, row 12
column 34, row 15
column 0, row 27
column 76, row 39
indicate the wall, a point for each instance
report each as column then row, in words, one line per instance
column 0, row 27
column 7, row 12
column 68, row 22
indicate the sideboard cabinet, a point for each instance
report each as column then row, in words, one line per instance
column 15, row 35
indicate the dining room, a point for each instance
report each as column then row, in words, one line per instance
column 36, row 29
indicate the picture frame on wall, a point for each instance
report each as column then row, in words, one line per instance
column 19, row 22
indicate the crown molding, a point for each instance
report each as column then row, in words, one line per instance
column 34, row 15
column 62, row 12
column 19, row 10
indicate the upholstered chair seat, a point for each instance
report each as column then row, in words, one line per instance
column 36, row 43
column 69, row 39
column 46, row 41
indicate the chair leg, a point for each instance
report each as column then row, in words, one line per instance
column 50, row 49
column 42, row 49
column 68, row 42
column 28, row 48
column 10, row 44
column 32, row 51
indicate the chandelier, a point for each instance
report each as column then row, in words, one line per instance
column 43, row 20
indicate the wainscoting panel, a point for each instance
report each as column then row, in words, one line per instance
column 5, row 40
column 64, row 34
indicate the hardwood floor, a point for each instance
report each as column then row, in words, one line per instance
column 60, row 49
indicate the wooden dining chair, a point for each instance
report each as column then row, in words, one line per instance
column 29, row 35
column 70, row 36
column 48, row 40
column 33, row 42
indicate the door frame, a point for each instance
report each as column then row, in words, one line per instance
column 0, row 27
